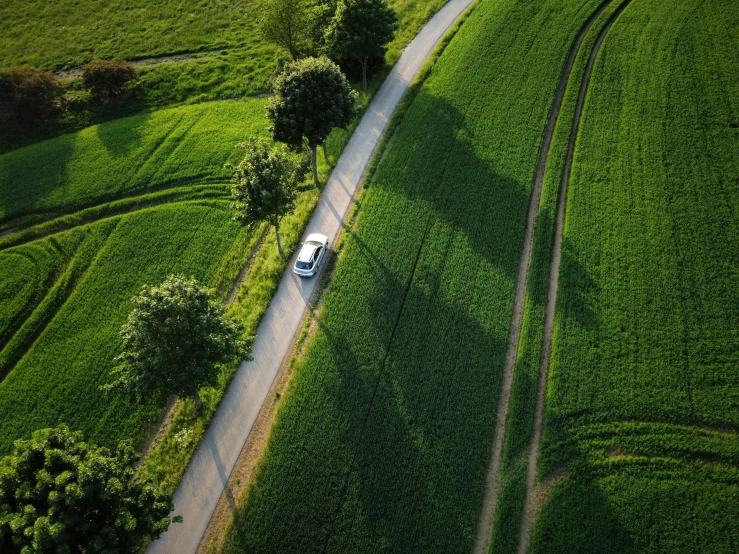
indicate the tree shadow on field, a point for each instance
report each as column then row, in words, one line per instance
column 385, row 443
column 578, row 518
column 124, row 137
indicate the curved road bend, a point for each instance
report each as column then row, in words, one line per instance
column 206, row 476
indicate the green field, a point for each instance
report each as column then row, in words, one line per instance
column 383, row 438
column 87, row 219
column 643, row 400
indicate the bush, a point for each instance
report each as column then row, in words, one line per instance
column 29, row 95
column 108, row 79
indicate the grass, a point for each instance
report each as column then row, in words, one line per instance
column 104, row 213
column 226, row 56
column 642, row 404
column 382, row 440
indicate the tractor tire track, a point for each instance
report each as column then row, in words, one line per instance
column 534, row 491
column 493, row 478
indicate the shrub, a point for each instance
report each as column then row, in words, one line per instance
column 108, row 79
column 29, row 95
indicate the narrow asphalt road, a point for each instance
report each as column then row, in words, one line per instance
column 206, row 476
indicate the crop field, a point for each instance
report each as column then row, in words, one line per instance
column 643, row 400
column 103, row 212
column 383, row 439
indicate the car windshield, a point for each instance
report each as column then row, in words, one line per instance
column 302, row 265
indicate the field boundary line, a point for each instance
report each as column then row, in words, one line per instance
column 108, row 210
column 535, row 492
column 493, row 479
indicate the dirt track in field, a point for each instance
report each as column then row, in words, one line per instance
column 494, row 477
column 537, row 492
column 156, row 60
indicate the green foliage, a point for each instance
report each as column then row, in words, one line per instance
column 60, row 494
column 360, row 31
column 287, row 23
column 383, row 439
column 107, row 79
column 312, row 97
column 174, row 339
column 265, row 184
column 28, row 95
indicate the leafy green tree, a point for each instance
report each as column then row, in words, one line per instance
column 360, row 30
column 312, row 96
column 287, row 23
column 174, row 339
column 265, row 184
column 60, row 494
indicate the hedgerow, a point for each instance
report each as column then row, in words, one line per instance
column 384, row 436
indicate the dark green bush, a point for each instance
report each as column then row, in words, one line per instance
column 108, row 79
column 29, row 95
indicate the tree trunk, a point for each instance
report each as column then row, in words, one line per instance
column 198, row 402
column 325, row 156
column 277, row 234
column 315, row 167
column 364, row 75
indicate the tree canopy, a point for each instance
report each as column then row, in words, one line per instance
column 29, row 95
column 174, row 339
column 312, row 96
column 360, row 30
column 287, row 23
column 60, row 494
column 265, row 184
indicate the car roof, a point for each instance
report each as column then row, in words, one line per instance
column 317, row 237
column 306, row 252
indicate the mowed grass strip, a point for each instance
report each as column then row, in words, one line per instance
column 383, row 439
column 645, row 350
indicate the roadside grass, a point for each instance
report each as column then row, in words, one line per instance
column 382, row 440
column 642, row 403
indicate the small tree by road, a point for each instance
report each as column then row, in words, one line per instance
column 173, row 341
column 312, row 96
column 360, row 30
column 287, row 23
column 265, row 184
column 60, row 494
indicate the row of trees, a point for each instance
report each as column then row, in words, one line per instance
column 30, row 96
column 347, row 31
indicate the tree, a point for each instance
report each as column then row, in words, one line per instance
column 60, row 494
column 174, row 339
column 29, row 95
column 265, row 184
column 312, row 96
column 360, row 30
column 287, row 23
column 107, row 79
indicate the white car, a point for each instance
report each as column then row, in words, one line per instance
column 311, row 254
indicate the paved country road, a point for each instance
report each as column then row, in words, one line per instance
column 206, row 476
